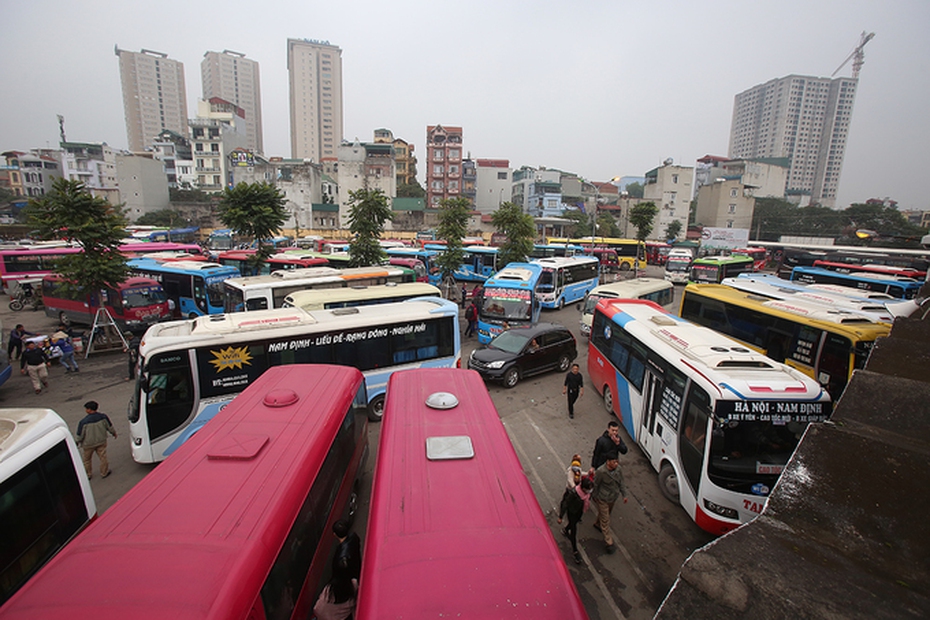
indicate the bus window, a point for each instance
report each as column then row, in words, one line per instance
column 834, row 364
column 694, row 435
column 256, row 303
column 169, row 397
column 200, row 293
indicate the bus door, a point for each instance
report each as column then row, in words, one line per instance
column 649, row 433
column 115, row 302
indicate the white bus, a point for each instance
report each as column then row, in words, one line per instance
column 566, row 279
column 678, row 266
column 45, row 496
column 650, row 289
column 326, row 299
column 267, row 292
column 774, row 287
column 189, row 370
column 716, row 420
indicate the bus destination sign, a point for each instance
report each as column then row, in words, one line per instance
column 776, row 411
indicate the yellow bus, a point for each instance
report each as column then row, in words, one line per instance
column 328, row 298
column 628, row 250
column 823, row 343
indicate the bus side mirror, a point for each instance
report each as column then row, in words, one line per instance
column 144, row 382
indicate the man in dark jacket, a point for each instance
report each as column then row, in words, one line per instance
column 610, row 441
column 35, row 362
column 92, row 437
column 350, row 548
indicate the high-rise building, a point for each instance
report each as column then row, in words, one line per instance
column 314, row 71
column 803, row 118
column 154, row 96
column 443, row 163
column 233, row 77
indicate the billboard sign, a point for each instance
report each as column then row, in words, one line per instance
column 724, row 238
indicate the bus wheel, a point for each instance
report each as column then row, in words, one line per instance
column 564, row 363
column 376, row 409
column 624, row 266
column 608, row 400
column 63, row 319
column 511, row 377
column 668, row 483
column 561, row 303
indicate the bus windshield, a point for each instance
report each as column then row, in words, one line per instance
column 507, row 303
column 143, row 296
column 546, row 281
column 675, row 263
column 751, row 451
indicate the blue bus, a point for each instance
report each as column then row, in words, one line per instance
column 480, row 264
column 193, row 287
column 427, row 257
column 566, row 280
column 509, row 299
column 552, row 250
column 900, row 288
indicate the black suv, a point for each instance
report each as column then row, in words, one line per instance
column 523, row 351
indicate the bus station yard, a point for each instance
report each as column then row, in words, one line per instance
column 654, row 536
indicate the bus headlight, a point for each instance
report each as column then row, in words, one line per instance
column 723, row 511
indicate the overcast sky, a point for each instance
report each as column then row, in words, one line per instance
column 599, row 88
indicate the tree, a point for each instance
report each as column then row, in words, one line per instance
column 453, row 221
column 642, row 217
column 673, row 230
column 607, row 225
column 582, row 224
column 255, row 211
column 70, row 212
column 368, row 211
column 519, row 229
column 410, row 190
column 162, row 217
column 634, row 190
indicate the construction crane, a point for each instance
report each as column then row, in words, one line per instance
column 857, row 55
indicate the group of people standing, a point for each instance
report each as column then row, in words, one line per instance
column 602, row 485
column 35, row 360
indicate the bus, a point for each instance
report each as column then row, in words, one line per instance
column 552, row 250
column 565, row 280
column 39, row 261
column 480, row 264
column 238, row 524
column 240, row 260
column 45, row 496
column 630, row 252
column 337, row 261
column 884, row 270
column 717, row 421
column 758, row 255
column 427, row 257
column 413, row 264
column 713, row 269
column 134, row 304
column 509, row 298
column 678, row 266
column 773, row 287
column 826, row 346
column 193, row 288
column 656, row 252
column 655, row 290
column 608, row 261
column 789, row 256
column 454, row 529
column 267, row 292
column 189, row 370
column 901, row 288
column 329, row 298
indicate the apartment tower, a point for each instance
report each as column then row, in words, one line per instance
column 232, row 77
column 803, row 118
column 154, row 97
column 315, row 78
column 443, row 163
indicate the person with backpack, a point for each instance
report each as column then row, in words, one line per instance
column 575, row 502
column 471, row 315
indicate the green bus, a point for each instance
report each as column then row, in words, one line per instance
column 713, row 269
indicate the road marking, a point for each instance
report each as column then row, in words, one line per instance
column 549, row 498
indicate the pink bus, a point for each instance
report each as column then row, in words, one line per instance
column 454, row 529
column 38, row 262
column 237, row 523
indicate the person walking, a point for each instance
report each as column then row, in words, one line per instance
column 35, row 362
column 349, row 548
column 471, row 315
column 574, row 387
column 92, row 437
column 608, row 486
column 464, row 296
column 574, row 504
column 574, row 473
column 132, row 348
column 16, row 341
column 64, row 345
column 610, row 441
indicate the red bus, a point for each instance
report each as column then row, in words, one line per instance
column 887, row 270
column 134, row 304
column 237, row 523
column 454, row 528
column 657, row 252
column 411, row 263
column 239, row 260
column 758, row 256
column 38, row 262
